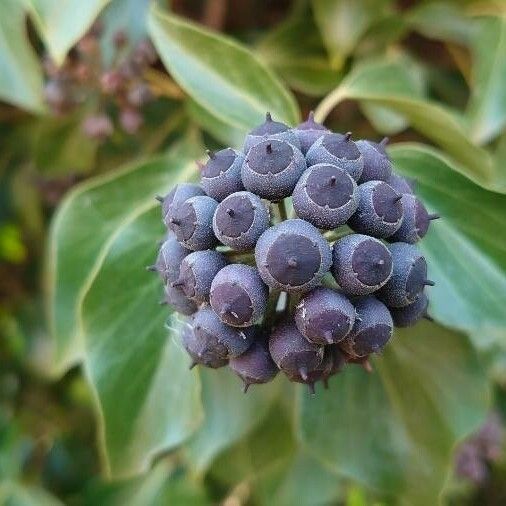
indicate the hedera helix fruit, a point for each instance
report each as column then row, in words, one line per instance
column 260, row 262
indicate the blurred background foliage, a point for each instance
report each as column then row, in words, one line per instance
column 105, row 103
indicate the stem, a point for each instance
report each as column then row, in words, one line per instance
column 334, row 235
column 282, row 210
column 246, row 257
column 278, row 212
column 328, row 103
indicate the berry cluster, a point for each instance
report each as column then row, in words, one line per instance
column 265, row 293
column 120, row 87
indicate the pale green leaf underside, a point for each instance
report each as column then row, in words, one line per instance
column 148, row 400
column 393, row 430
column 465, row 252
column 83, row 230
column 487, row 109
column 61, row 23
column 20, row 72
column 343, row 22
column 222, row 76
column 230, row 414
column 383, row 83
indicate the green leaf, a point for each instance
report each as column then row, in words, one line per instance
column 284, row 476
column 127, row 16
column 18, row 494
column 394, row 430
column 229, row 414
column 62, row 24
column 343, row 22
column 20, row 72
column 487, row 108
column 465, row 253
column 219, row 74
column 148, row 400
column 223, row 132
column 387, row 83
column 443, row 21
column 60, row 147
column 84, row 229
column 306, row 66
column 164, row 484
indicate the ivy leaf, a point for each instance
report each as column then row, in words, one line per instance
column 394, row 430
column 305, row 67
column 148, row 401
column 465, row 253
column 343, row 22
column 230, row 414
column 20, row 72
column 83, row 230
column 283, row 477
column 443, row 21
column 386, row 83
column 219, row 74
column 487, row 108
column 62, row 24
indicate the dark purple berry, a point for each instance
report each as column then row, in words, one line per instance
column 409, row 276
column 292, row 256
column 192, row 222
column 255, row 365
column 238, row 295
column 204, row 349
column 324, row 316
column 409, row 315
column 233, row 341
column 293, row 353
column 361, row 264
column 400, row 184
column 373, row 328
column 320, row 373
column 240, row 220
column 326, row 196
column 221, row 175
column 198, row 270
column 309, row 132
column 339, row 150
column 379, row 212
column 270, row 130
column 169, row 259
column 272, row 168
column 176, row 298
column 377, row 166
column 176, row 198
column 415, row 223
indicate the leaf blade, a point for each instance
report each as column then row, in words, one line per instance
column 220, row 75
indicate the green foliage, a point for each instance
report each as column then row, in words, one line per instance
column 170, row 436
column 74, row 19
column 223, row 77
column 20, row 73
